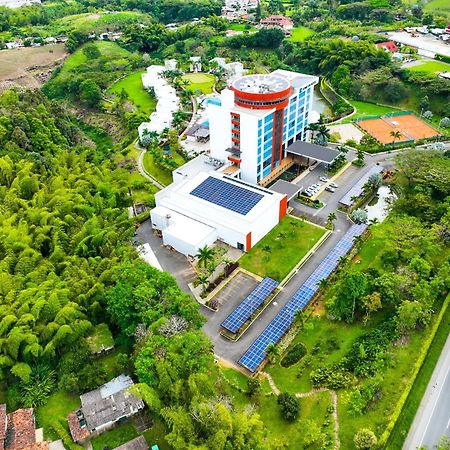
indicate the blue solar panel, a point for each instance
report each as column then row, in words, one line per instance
column 227, row 195
column 256, row 353
column 248, row 306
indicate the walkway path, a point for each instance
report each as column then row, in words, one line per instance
column 276, row 391
column 193, row 118
column 141, row 168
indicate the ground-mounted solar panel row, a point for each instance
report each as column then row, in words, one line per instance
column 255, row 354
column 227, row 195
column 249, row 305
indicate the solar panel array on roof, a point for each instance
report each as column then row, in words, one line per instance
column 255, row 354
column 227, row 195
column 248, row 306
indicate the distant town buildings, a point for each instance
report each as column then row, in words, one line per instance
column 281, row 22
column 238, row 9
column 18, row 3
column 102, row 408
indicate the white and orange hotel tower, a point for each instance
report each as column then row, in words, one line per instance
column 258, row 118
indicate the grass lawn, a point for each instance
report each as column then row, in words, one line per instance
column 161, row 174
column 100, row 338
column 241, row 27
column 364, row 109
column 140, row 98
column 299, row 34
column 58, row 406
column 115, row 437
column 431, row 67
column 441, row 7
column 203, row 82
column 155, row 435
column 281, row 249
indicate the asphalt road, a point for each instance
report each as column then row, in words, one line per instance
column 432, row 419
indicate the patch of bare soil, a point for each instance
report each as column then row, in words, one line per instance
column 29, row 67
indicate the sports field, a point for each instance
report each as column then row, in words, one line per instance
column 200, row 82
column 409, row 127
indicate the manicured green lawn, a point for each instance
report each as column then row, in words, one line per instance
column 58, row 406
column 365, row 109
column 115, row 437
column 200, row 82
column 241, row 27
column 132, row 84
column 281, row 249
column 299, row 34
column 155, row 435
column 431, row 67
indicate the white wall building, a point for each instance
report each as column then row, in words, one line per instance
column 167, row 101
column 258, row 118
column 197, row 210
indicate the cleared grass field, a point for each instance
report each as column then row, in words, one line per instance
column 299, row 34
column 203, row 82
column 441, row 7
column 365, row 109
column 281, row 249
column 431, row 67
column 132, row 84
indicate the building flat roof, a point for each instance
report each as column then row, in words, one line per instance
column 284, row 187
column 261, row 84
column 313, row 151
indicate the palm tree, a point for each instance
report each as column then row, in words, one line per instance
column 272, row 352
column 395, row 134
column 203, row 280
column 331, row 218
column 313, row 127
column 323, row 135
column 205, row 255
column 323, row 283
column 373, row 221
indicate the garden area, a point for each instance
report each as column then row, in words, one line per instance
column 203, row 82
column 135, row 92
column 162, row 174
column 282, row 248
column 430, row 67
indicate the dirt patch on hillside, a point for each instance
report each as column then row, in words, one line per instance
column 29, row 67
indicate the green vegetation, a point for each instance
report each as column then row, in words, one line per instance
column 241, row 27
column 100, row 338
column 203, row 82
column 161, row 174
column 299, row 34
column 293, row 355
column 115, row 437
column 431, row 67
column 281, row 249
column 57, row 407
column 365, row 109
column 438, row 7
column 135, row 92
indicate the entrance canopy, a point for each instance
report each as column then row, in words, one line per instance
column 313, row 151
column 284, row 187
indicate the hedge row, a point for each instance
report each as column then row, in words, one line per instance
column 63, row 434
column 294, row 355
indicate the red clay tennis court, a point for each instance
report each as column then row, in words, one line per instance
column 410, row 127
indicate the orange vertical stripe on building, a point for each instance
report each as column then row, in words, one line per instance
column 283, row 208
column 248, row 242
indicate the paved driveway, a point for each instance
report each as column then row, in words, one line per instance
column 171, row 261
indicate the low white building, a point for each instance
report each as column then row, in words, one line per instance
column 195, row 64
column 197, row 210
column 231, row 69
column 167, row 101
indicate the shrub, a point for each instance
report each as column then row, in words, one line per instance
column 333, row 377
column 253, row 386
column 289, row 405
column 365, row 439
column 62, row 433
column 294, row 355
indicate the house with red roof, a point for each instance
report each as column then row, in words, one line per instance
column 389, row 46
column 283, row 23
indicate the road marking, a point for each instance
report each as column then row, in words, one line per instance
column 448, row 423
column 434, row 407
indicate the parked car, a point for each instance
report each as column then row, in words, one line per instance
column 307, row 194
column 330, row 189
column 334, row 185
column 324, row 179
